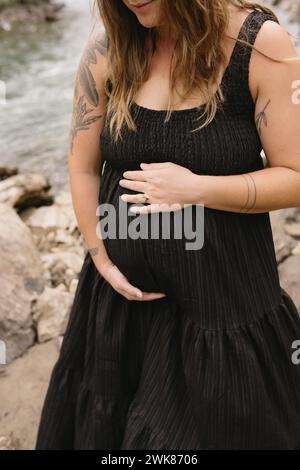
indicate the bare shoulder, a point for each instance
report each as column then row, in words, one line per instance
column 272, row 41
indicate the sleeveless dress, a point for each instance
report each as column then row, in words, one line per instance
column 209, row 366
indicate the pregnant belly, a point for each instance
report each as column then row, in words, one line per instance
column 148, row 248
column 228, row 252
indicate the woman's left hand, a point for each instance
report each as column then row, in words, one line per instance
column 167, row 185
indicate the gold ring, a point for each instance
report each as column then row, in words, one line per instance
column 144, row 198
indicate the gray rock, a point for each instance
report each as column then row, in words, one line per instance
column 289, row 272
column 21, row 279
column 284, row 244
column 25, row 190
column 22, row 392
column 51, row 312
column 293, row 230
column 7, row 171
column 63, row 266
column 45, row 219
column 56, row 217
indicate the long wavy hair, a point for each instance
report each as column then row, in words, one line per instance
column 197, row 60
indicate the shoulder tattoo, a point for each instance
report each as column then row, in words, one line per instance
column 84, row 105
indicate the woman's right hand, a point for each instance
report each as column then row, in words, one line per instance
column 120, row 283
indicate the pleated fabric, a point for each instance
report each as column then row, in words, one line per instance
column 209, row 366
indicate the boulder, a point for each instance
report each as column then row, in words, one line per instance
column 293, row 229
column 289, row 272
column 45, row 219
column 7, row 171
column 51, row 312
column 52, row 218
column 63, row 266
column 25, row 190
column 21, row 279
column 284, row 243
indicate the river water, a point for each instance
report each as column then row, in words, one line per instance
column 38, row 65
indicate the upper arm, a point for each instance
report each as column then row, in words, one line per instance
column 277, row 108
column 89, row 105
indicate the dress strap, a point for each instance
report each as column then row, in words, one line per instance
column 241, row 55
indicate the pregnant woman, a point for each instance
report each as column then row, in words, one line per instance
column 168, row 347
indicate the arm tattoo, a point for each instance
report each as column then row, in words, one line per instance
column 81, row 119
column 262, row 118
column 84, row 106
column 93, row 251
column 246, row 206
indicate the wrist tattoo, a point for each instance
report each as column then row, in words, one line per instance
column 245, row 205
column 93, row 251
column 254, row 186
column 248, row 206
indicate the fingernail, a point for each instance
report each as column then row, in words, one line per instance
column 140, row 294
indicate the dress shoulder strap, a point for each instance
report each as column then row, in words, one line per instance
column 241, row 55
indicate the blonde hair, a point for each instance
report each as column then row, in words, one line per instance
column 198, row 61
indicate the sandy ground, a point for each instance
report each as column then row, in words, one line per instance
column 22, row 390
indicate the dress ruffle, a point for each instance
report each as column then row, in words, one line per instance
column 133, row 377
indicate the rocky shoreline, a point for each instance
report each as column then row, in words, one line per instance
column 42, row 255
column 15, row 12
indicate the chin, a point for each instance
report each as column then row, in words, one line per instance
column 149, row 16
column 147, row 23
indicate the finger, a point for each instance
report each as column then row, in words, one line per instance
column 150, row 208
column 155, row 166
column 145, row 298
column 139, row 175
column 152, row 296
column 128, row 297
column 133, row 185
column 129, row 289
column 132, row 198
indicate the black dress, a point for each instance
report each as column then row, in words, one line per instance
column 209, row 366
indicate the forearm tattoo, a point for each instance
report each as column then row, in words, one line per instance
column 251, row 194
column 93, row 251
column 261, row 118
column 84, row 113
